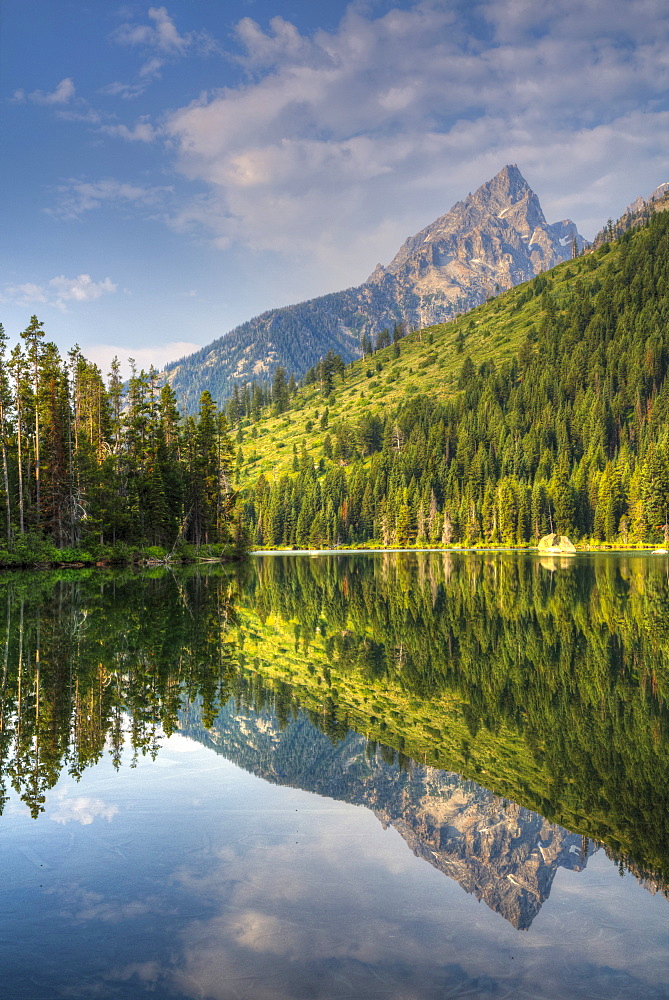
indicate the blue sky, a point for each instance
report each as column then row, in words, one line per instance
column 170, row 171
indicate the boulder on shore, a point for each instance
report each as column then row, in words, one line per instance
column 556, row 543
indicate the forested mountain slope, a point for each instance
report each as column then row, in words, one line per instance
column 495, row 238
column 543, row 409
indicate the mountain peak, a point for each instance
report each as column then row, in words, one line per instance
column 509, row 179
column 505, row 189
column 497, row 237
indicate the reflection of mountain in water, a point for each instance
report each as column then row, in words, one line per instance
column 551, row 689
column 498, row 851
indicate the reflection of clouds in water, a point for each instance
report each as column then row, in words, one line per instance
column 251, row 897
column 81, row 810
column 323, row 903
column 146, row 972
column 82, row 905
column 182, row 744
column 324, row 925
column 328, row 933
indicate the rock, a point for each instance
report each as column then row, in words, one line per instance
column 556, row 544
column 548, row 543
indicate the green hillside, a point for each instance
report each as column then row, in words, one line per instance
column 543, row 409
column 425, row 361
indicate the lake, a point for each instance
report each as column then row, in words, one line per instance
column 394, row 775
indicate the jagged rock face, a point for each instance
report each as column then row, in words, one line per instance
column 658, row 195
column 500, row 852
column 494, row 239
column 638, row 212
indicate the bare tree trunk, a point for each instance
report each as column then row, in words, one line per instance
column 19, row 460
column 5, row 474
column 37, row 467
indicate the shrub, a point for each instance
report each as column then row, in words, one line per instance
column 155, row 552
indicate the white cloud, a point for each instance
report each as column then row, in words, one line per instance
column 80, row 289
column 616, row 20
column 77, row 196
column 158, row 356
column 63, row 101
column 151, row 68
column 82, row 112
column 283, row 41
column 25, row 293
column 160, row 42
column 142, row 131
column 59, row 291
column 128, row 91
column 64, row 92
column 161, row 35
column 391, row 115
column 82, row 810
column 338, row 144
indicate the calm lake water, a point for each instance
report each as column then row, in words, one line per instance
column 404, row 776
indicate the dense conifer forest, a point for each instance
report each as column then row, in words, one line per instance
column 93, row 469
column 543, row 410
column 568, row 432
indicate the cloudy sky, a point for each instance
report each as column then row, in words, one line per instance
column 170, row 171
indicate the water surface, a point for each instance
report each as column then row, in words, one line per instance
column 402, row 776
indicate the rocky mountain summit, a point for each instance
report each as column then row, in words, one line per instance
column 495, row 238
column 656, row 200
column 500, row 852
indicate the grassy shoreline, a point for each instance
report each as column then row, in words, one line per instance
column 35, row 554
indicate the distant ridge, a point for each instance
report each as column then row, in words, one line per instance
column 657, row 197
column 636, row 214
column 495, row 238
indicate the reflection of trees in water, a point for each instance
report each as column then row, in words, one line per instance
column 565, row 674
column 550, row 688
column 89, row 662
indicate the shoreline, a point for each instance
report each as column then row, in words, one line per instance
column 144, row 559
column 139, row 558
column 516, row 549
